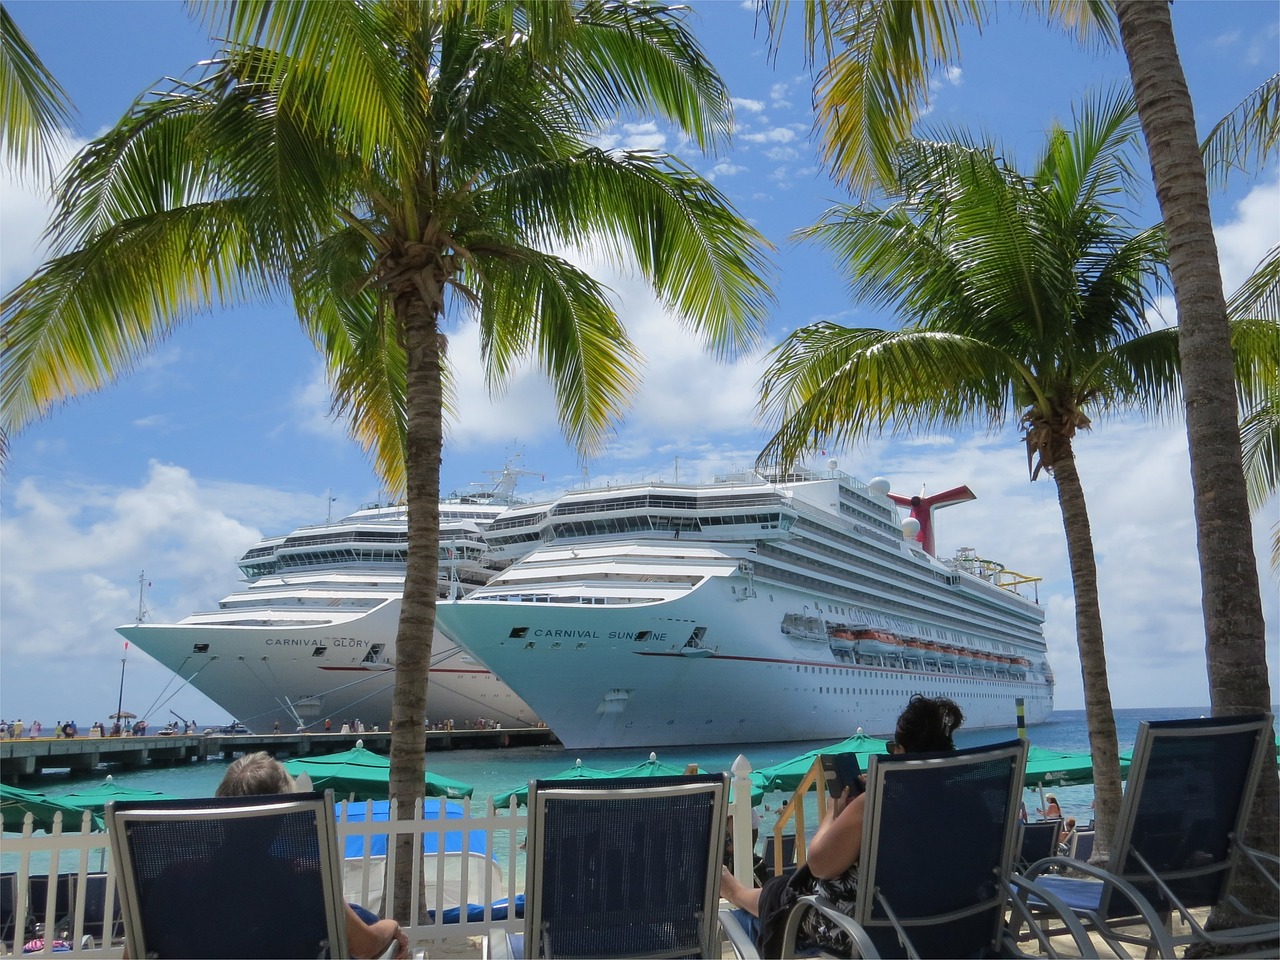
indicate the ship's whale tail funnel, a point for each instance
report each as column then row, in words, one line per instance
column 922, row 508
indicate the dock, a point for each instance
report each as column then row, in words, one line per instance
column 26, row 758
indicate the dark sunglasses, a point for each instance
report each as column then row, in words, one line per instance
column 892, row 747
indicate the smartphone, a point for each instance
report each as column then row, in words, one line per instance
column 842, row 770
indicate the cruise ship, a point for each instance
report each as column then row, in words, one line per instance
column 311, row 635
column 755, row 608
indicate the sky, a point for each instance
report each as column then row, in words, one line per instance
column 222, row 435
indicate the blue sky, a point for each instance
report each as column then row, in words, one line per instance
column 222, row 435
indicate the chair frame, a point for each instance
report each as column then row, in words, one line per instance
column 1012, row 891
column 1112, row 881
column 543, row 794
column 120, row 815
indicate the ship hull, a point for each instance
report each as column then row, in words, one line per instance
column 583, row 670
column 262, row 675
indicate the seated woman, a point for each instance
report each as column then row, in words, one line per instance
column 1050, row 810
column 925, row 726
column 260, row 773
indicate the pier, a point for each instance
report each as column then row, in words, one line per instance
column 26, row 758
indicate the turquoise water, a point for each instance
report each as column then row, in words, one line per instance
column 496, row 771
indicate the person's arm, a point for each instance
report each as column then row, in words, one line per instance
column 373, row 939
column 838, row 843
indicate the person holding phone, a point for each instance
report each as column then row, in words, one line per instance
column 926, row 725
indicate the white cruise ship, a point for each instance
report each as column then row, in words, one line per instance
column 751, row 609
column 311, row 636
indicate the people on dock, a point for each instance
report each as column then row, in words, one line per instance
column 926, row 725
column 256, row 774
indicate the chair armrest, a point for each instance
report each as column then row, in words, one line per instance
column 1020, row 890
column 862, row 945
column 743, row 946
column 1163, row 941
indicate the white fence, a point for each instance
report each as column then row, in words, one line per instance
column 83, row 892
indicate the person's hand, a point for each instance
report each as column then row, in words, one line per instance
column 841, row 802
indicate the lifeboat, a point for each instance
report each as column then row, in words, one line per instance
column 842, row 641
column 877, row 641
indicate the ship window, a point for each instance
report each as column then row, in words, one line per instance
column 519, row 633
column 319, row 651
column 581, row 646
column 556, row 645
column 529, row 645
column 200, row 648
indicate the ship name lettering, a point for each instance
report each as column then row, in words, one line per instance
column 567, row 634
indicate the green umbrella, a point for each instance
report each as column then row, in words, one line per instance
column 99, row 795
column 1059, row 768
column 367, row 775
column 16, row 803
column 576, row 772
column 786, row 775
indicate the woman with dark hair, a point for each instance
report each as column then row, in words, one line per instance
column 831, row 869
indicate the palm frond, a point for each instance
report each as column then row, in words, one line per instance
column 33, row 105
column 1259, row 296
column 703, row 260
column 541, row 306
column 1242, row 140
column 829, row 385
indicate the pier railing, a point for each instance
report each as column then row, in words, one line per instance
column 63, row 885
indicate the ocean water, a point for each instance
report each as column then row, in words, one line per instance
column 498, row 770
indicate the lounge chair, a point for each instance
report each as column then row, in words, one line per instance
column 935, row 878
column 784, row 853
column 1178, row 840
column 236, row 877
column 1081, row 845
column 622, row 867
column 1037, row 840
column 8, row 909
column 93, row 895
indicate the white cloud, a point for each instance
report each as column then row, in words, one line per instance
column 71, row 559
column 643, row 136
column 773, row 135
column 726, row 168
column 751, row 106
column 1254, row 228
column 25, row 207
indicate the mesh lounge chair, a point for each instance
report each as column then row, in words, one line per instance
column 1037, row 840
column 935, row 877
column 788, row 854
column 235, row 877
column 93, row 895
column 1081, row 845
column 622, row 867
column 1177, row 842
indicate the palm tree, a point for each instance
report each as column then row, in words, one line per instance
column 390, row 164
column 877, row 58
column 1023, row 298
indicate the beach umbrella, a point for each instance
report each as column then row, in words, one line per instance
column 786, row 775
column 16, row 803
column 576, row 772
column 375, row 810
column 367, row 775
column 122, row 715
column 99, row 795
column 1063, row 768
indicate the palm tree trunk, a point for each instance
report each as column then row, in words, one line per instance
column 1234, row 628
column 423, row 443
column 1099, row 716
